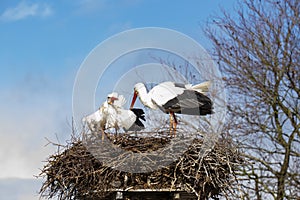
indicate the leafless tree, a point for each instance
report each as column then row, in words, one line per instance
column 257, row 48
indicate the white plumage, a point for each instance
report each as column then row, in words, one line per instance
column 112, row 115
column 174, row 98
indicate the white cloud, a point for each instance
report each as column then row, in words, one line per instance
column 20, row 189
column 24, row 10
column 30, row 111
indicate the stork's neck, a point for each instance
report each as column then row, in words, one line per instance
column 145, row 97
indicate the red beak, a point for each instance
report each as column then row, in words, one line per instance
column 133, row 99
column 114, row 98
column 111, row 100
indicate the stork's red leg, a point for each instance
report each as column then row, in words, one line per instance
column 174, row 123
column 171, row 123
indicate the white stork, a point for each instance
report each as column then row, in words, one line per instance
column 174, row 98
column 112, row 115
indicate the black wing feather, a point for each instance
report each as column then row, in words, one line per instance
column 190, row 102
column 138, row 124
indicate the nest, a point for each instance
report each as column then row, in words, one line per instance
column 75, row 173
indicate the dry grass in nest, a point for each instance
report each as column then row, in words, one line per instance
column 74, row 173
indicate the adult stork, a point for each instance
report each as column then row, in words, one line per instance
column 173, row 98
column 112, row 115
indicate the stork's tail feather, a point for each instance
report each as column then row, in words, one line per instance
column 202, row 87
column 140, row 114
column 138, row 124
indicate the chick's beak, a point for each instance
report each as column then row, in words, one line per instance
column 111, row 100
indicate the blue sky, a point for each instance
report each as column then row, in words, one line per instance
column 43, row 44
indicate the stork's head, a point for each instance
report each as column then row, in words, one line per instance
column 137, row 87
column 112, row 97
column 140, row 91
